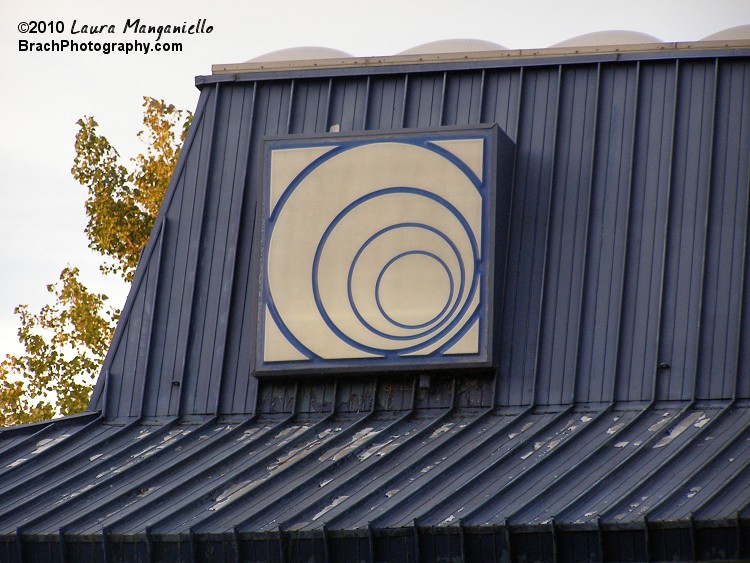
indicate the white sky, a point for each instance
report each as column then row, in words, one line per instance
column 42, row 95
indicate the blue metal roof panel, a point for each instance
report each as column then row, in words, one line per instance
column 441, row 470
column 619, row 167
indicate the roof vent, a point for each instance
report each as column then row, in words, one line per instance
column 300, row 54
column 729, row 34
column 453, row 46
column 609, row 37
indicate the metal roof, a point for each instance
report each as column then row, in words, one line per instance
column 616, row 425
column 578, row 481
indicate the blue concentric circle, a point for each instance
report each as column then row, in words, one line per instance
column 414, row 329
column 400, row 258
column 416, row 337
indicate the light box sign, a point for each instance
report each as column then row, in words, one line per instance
column 377, row 252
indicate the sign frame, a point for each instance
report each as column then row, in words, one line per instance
column 494, row 189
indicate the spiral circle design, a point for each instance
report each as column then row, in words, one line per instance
column 367, row 258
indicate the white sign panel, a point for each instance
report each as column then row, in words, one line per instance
column 376, row 252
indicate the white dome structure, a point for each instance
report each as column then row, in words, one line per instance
column 300, row 54
column 730, row 34
column 609, row 37
column 453, row 46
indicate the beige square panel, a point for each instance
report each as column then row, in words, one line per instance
column 376, row 252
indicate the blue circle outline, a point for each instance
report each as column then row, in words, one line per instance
column 327, row 233
column 340, row 148
column 459, row 259
column 394, row 259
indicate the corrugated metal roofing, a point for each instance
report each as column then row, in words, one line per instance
column 615, row 427
column 296, row 481
column 626, row 248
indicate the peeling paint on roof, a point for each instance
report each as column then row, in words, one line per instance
column 357, row 440
column 335, row 503
column 42, row 445
column 679, row 428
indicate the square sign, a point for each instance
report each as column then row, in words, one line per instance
column 377, row 252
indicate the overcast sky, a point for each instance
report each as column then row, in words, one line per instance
column 43, row 94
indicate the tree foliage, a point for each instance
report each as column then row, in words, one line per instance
column 66, row 340
column 64, row 344
column 122, row 204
